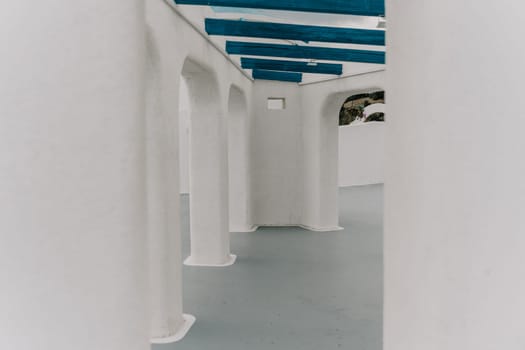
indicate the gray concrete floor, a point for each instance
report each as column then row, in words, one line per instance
column 291, row 288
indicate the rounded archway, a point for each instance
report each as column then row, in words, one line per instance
column 208, row 169
column 239, row 161
column 167, row 322
column 363, row 108
column 361, row 138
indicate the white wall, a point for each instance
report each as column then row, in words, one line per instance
column 361, row 154
column 295, row 151
column 455, row 169
column 73, row 247
column 277, row 155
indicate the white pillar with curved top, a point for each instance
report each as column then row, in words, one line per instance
column 72, row 183
column 239, row 162
column 210, row 236
column 168, row 323
column 320, row 160
column 454, row 210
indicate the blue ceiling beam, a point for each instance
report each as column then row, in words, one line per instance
column 347, row 7
column 291, row 66
column 312, row 52
column 279, row 76
column 294, row 32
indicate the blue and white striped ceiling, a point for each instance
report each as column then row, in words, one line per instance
column 296, row 41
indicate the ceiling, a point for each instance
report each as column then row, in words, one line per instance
column 198, row 14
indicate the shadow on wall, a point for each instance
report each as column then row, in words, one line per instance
column 363, row 108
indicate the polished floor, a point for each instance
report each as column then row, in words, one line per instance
column 291, row 288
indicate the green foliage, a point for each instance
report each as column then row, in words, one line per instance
column 354, row 106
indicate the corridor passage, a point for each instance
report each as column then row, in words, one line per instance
column 292, row 288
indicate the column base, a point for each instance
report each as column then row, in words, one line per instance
column 189, row 320
column 306, row 227
column 252, row 228
column 190, row 261
column 322, row 229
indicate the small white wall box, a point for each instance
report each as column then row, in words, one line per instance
column 276, row 103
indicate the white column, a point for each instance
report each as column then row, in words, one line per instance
column 328, row 172
column 239, row 162
column 168, row 324
column 210, row 236
column 184, row 137
column 320, row 159
column 72, row 184
column 455, row 198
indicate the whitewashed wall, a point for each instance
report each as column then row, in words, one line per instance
column 277, row 153
column 72, row 176
column 454, row 190
column 362, row 154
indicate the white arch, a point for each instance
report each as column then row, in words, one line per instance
column 210, row 237
column 321, row 103
column 362, row 163
column 167, row 322
column 239, row 161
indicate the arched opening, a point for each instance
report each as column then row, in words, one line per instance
column 208, row 169
column 363, row 108
column 332, row 157
column 362, row 138
column 239, row 160
column 167, row 321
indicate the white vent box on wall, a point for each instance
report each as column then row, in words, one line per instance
column 276, row 103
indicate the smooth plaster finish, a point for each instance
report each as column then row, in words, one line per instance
column 362, row 154
column 230, row 260
column 292, row 288
column 184, row 53
column 454, row 209
column 73, row 254
column 276, row 146
column 165, row 261
column 184, row 137
column 240, row 195
column 295, row 151
column 188, row 321
column 209, row 217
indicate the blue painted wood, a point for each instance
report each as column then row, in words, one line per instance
column 291, row 66
column 294, row 32
column 279, row 76
column 296, row 51
column 348, row 7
